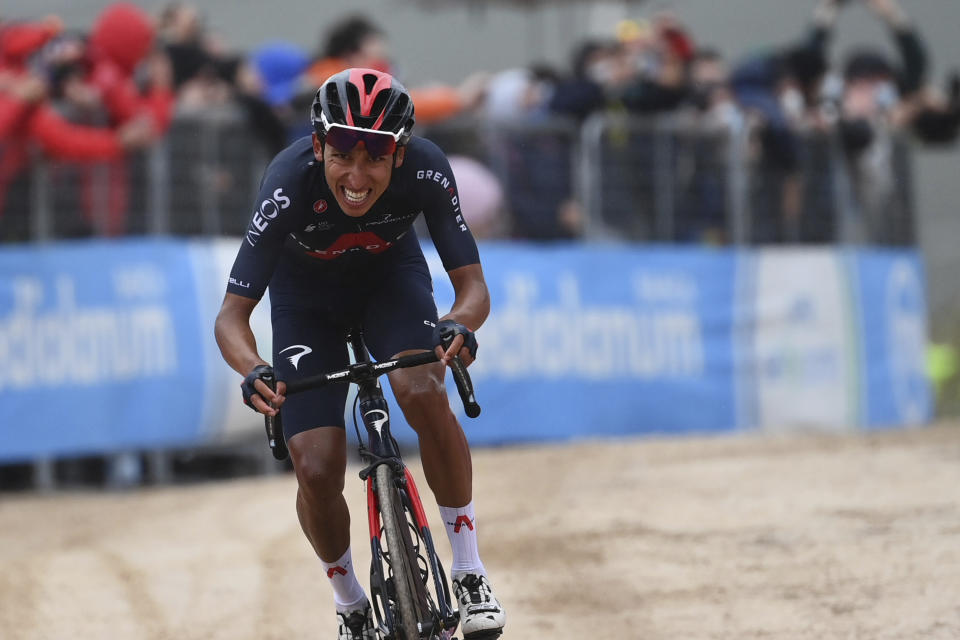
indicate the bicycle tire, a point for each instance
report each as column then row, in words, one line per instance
column 391, row 513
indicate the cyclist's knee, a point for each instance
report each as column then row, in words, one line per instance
column 320, row 469
column 422, row 396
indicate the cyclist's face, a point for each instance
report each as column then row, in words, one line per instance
column 356, row 178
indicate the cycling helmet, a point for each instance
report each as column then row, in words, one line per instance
column 363, row 99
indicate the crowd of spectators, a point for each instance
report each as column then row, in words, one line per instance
column 94, row 96
column 783, row 96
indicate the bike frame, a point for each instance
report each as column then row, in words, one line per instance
column 382, row 449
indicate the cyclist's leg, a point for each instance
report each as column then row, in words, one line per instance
column 444, row 451
column 400, row 317
column 313, row 426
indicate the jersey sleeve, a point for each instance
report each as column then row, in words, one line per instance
column 271, row 222
column 444, row 218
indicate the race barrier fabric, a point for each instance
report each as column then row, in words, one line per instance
column 108, row 346
column 99, row 347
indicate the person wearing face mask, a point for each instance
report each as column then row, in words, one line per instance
column 899, row 93
column 710, row 91
column 874, row 85
column 585, row 90
column 711, row 112
column 882, row 97
column 661, row 84
column 778, row 90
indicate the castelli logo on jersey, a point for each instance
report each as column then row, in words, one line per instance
column 320, row 206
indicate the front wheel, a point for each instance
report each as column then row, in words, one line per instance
column 398, row 556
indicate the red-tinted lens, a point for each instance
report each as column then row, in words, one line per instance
column 376, row 143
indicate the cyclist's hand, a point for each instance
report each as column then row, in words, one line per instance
column 257, row 394
column 452, row 338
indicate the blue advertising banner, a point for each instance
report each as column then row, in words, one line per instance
column 99, row 348
column 602, row 341
column 107, row 346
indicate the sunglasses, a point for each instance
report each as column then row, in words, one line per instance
column 378, row 143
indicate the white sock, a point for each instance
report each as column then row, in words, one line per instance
column 461, row 526
column 347, row 592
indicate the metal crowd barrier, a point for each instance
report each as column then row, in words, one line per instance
column 640, row 180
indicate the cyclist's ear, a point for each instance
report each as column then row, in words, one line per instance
column 398, row 156
column 317, row 148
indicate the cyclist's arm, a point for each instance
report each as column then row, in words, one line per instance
column 239, row 346
column 471, row 304
column 455, row 245
column 234, row 335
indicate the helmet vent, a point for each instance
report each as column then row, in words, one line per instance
column 369, row 82
column 353, row 97
column 333, row 103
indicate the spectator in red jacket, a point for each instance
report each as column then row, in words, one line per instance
column 26, row 116
column 120, row 40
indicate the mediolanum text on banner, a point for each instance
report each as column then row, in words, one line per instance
column 98, row 345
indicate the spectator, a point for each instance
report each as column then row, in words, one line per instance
column 662, row 53
column 702, row 180
column 210, row 78
column 182, row 32
column 353, row 42
column 533, row 164
column 871, row 112
column 874, row 85
column 280, row 66
column 203, row 73
column 357, row 42
column 522, row 93
column 899, row 94
column 120, row 40
column 598, row 70
column 777, row 89
column 710, row 93
column 27, row 116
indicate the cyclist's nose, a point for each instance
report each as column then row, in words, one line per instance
column 356, row 175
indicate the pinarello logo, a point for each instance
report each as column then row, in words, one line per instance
column 320, row 206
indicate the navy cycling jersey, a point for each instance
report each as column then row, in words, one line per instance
column 297, row 217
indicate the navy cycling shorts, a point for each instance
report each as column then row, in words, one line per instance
column 395, row 309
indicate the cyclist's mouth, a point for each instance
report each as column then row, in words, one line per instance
column 355, row 198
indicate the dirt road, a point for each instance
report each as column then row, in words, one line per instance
column 789, row 537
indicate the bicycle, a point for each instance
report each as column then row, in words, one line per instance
column 409, row 591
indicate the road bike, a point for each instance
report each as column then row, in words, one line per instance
column 410, row 595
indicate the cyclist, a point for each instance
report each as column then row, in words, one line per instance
column 331, row 234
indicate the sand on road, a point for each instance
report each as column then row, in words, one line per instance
column 800, row 537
